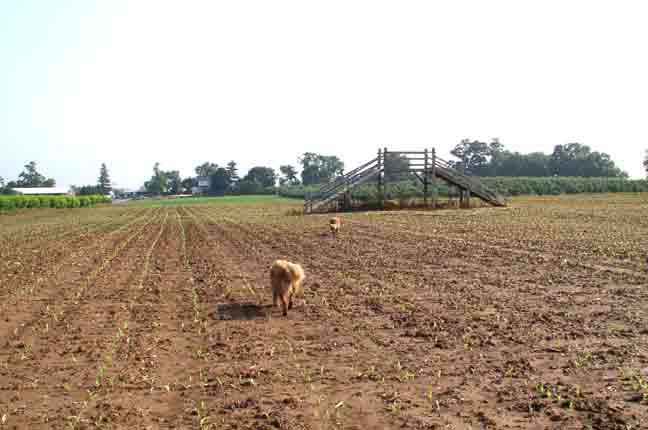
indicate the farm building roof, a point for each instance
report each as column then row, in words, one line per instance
column 41, row 190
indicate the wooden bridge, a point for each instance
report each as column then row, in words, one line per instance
column 424, row 165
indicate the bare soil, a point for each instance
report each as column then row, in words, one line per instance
column 527, row 317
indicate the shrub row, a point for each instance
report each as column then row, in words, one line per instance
column 506, row 186
column 58, row 202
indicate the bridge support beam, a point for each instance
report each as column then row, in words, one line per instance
column 384, row 187
column 426, row 179
column 379, row 193
column 434, row 187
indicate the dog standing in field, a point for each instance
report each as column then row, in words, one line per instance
column 287, row 280
column 335, row 223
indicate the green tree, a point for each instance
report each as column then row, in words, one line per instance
column 187, row 184
column 506, row 163
column 232, row 172
column 104, row 180
column 289, row 175
column 206, row 169
column 2, row 184
column 575, row 159
column 475, row 156
column 246, row 186
column 31, row 178
column 319, row 169
column 87, row 190
column 645, row 163
column 397, row 167
column 265, row 176
column 174, row 182
column 220, row 181
column 158, row 183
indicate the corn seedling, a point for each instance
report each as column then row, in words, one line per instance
column 641, row 386
column 99, row 379
column 394, row 408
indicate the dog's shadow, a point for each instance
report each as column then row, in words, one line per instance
column 241, row 311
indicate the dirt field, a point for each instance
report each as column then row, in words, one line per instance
column 530, row 317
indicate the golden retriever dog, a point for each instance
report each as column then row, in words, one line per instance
column 335, row 223
column 287, row 280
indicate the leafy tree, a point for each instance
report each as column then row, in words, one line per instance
column 575, row 159
column 220, row 181
column 158, row 183
column 31, row 178
column 206, row 169
column 475, row 156
column 505, row 163
column 318, row 169
column 87, row 190
column 265, row 176
column 232, row 172
column 645, row 163
column 188, row 183
column 290, row 175
column 396, row 167
column 174, row 182
column 247, row 186
column 5, row 188
column 104, row 180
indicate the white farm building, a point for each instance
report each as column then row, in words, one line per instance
column 43, row 191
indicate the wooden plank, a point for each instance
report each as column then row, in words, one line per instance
column 434, row 188
column 380, row 172
column 384, row 187
column 425, row 182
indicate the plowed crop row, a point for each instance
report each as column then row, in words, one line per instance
column 531, row 316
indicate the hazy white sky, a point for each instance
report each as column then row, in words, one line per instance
column 260, row 82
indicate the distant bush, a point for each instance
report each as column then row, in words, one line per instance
column 32, row 202
column 506, row 186
column 563, row 185
column 58, row 202
column 7, row 203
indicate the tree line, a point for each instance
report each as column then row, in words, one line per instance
column 571, row 160
column 31, row 178
column 316, row 169
column 488, row 159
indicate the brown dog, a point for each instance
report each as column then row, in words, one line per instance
column 335, row 223
column 287, row 280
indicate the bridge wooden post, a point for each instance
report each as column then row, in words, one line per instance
column 380, row 183
column 434, row 188
column 425, row 180
column 384, row 188
column 347, row 197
